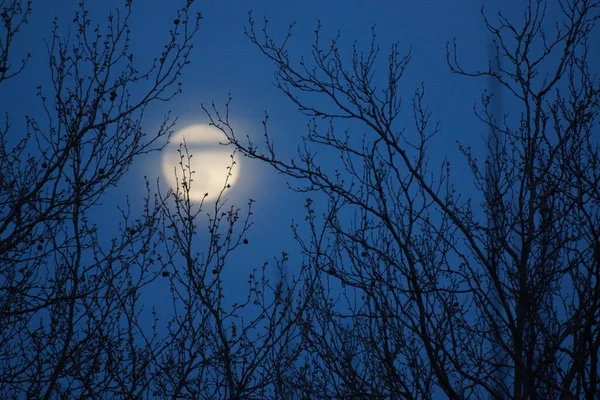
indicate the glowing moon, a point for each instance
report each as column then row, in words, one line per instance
column 211, row 161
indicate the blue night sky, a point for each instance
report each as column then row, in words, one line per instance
column 224, row 62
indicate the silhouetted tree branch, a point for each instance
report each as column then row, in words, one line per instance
column 408, row 302
column 69, row 295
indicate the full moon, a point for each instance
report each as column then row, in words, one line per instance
column 211, row 162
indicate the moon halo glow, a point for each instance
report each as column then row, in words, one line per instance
column 211, row 162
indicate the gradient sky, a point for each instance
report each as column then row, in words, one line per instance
column 225, row 62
